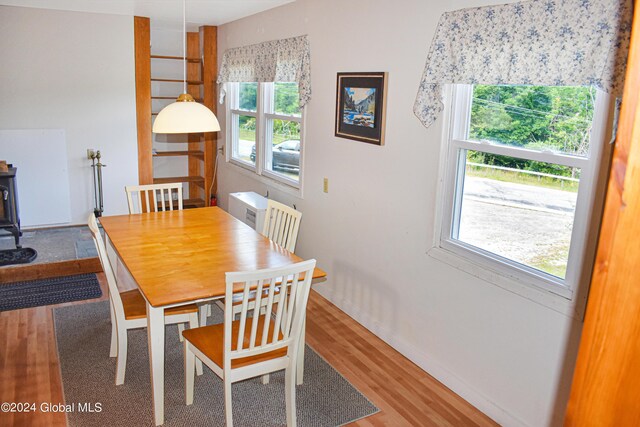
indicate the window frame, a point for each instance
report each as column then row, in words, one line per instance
column 264, row 116
column 457, row 116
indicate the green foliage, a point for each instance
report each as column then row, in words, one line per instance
column 247, row 123
column 287, row 99
column 554, row 118
column 284, row 130
column 285, row 94
column 248, row 96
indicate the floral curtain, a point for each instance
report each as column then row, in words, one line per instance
column 286, row 60
column 537, row 42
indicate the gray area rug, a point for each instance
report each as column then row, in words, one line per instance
column 88, row 373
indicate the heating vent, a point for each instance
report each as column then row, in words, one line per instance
column 248, row 207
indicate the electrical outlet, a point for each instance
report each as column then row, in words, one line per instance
column 325, row 185
column 91, row 152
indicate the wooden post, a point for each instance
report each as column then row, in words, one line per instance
column 209, row 55
column 606, row 382
column 142, row 48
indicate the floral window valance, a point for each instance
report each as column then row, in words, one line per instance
column 537, row 42
column 285, row 60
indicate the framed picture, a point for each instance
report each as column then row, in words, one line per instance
column 360, row 106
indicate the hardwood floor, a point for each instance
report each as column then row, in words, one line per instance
column 405, row 394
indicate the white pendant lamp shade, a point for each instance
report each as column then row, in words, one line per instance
column 185, row 116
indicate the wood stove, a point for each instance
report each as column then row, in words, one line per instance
column 9, row 215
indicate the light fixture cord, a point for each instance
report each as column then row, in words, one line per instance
column 184, row 44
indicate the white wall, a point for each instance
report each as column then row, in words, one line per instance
column 74, row 71
column 507, row 355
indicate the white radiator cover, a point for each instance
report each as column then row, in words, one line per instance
column 248, row 207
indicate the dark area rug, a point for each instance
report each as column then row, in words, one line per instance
column 17, row 256
column 83, row 335
column 34, row 293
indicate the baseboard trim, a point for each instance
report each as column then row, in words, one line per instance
column 432, row 367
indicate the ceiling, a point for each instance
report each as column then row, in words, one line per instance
column 163, row 13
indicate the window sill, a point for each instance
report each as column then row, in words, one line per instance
column 266, row 180
column 507, row 282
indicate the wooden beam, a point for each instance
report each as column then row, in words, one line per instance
column 209, row 54
column 142, row 47
column 48, row 270
column 605, row 386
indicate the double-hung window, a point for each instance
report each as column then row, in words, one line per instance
column 520, row 176
column 265, row 130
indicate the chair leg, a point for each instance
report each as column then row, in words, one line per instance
column 265, row 379
column 301, row 346
column 121, row 364
column 202, row 312
column 193, row 323
column 189, row 374
column 228, row 407
column 180, row 331
column 290, row 394
column 113, row 351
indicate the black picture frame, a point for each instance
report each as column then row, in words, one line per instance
column 361, row 106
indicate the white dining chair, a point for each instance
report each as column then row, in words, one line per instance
column 153, row 197
column 141, row 198
column 281, row 225
column 129, row 309
column 260, row 341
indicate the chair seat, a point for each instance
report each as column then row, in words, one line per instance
column 210, row 341
column 135, row 306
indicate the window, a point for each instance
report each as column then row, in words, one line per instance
column 265, row 128
column 520, row 177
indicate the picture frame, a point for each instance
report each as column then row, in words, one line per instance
column 361, row 106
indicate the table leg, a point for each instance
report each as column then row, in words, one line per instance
column 300, row 362
column 155, row 330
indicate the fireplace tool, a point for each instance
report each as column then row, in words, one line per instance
column 97, row 183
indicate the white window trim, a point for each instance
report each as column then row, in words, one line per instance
column 263, row 123
column 539, row 287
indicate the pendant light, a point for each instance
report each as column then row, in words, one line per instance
column 185, row 115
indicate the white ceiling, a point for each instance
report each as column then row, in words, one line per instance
column 163, row 13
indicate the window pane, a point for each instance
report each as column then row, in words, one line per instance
column 286, row 99
column 283, row 156
column 245, row 148
column 555, row 118
column 518, row 209
column 247, row 96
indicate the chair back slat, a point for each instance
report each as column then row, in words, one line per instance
column 268, row 309
column 267, row 331
column 243, row 314
column 281, row 224
column 161, row 196
column 256, row 319
column 289, row 301
column 155, row 199
column 280, row 309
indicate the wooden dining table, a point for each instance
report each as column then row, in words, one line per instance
column 181, row 257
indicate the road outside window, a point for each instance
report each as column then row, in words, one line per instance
column 519, row 156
